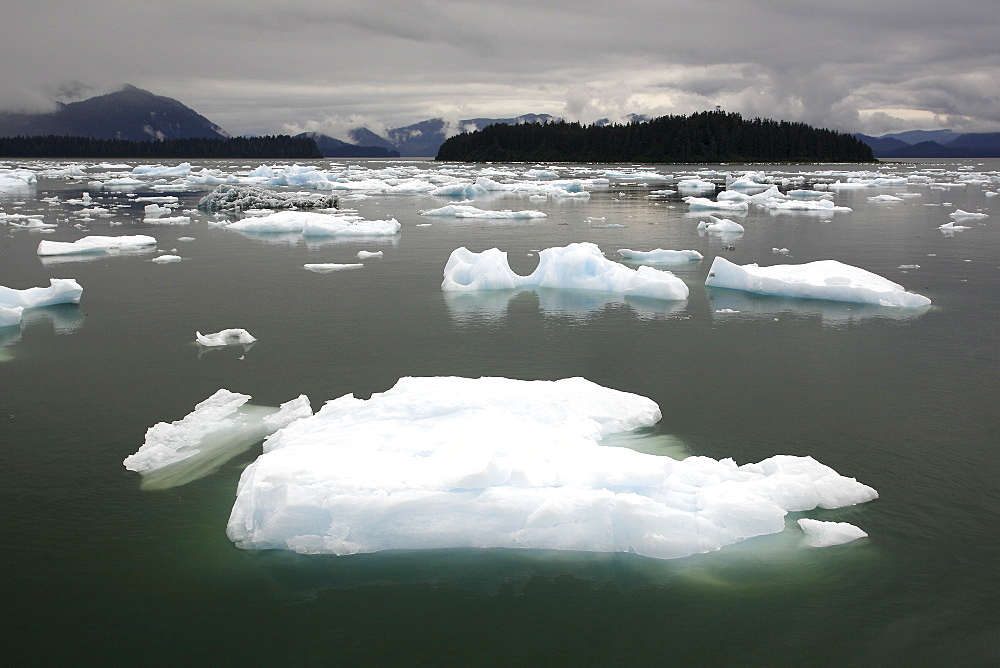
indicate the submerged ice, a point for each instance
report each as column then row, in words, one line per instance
column 492, row 462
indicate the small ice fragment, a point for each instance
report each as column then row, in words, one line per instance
column 825, row 534
column 225, row 337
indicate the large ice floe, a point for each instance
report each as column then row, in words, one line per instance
column 578, row 266
column 228, row 197
column 466, row 211
column 92, row 245
column 218, row 429
column 823, row 279
column 313, row 224
column 446, row 462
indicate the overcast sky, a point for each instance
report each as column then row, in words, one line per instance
column 873, row 66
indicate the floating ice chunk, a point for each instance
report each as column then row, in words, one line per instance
column 823, row 205
column 164, row 259
column 466, row 211
column 720, row 226
column 823, row 279
column 695, row 185
column 96, row 244
column 469, row 271
column 32, row 224
column 218, row 429
column 808, row 194
column 958, row 214
column 495, row 462
column 661, row 256
column 10, row 315
column 60, row 291
column 364, row 255
column 825, row 534
column 155, row 210
column 579, row 266
column 884, row 198
column 182, row 169
column 229, row 197
column 313, row 224
column 320, row 268
column 705, row 204
column 168, row 220
column 226, row 337
column 953, row 226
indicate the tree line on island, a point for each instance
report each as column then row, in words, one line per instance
column 56, row 146
column 709, row 136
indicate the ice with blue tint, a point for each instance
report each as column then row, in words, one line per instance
column 60, row 291
column 578, row 266
column 446, row 462
column 823, row 279
column 312, row 224
column 660, row 256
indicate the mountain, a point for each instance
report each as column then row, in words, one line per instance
column 423, row 139
column 934, row 144
column 131, row 113
column 335, row 148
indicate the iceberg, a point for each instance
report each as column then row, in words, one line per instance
column 60, row 291
column 720, row 227
column 825, row 534
column 466, row 211
column 660, row 256
column 960, row 214
column 705, row 204
column 227, row 197
column 578, row 266
column 823, row 279
column 312, row 224
column 234, row 336
column 218, row 429
column 165, row 259
column 95, row 245
column 446, row 462
column 325, row 268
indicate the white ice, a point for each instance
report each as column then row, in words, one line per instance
column 312, row 224
column 578, row 266
column 660, row 256
column 720, row 226
column 466, row 211
column 324, row 268
column 217, row 429
column 226, row 337
column 823, row 279
column 364, row 255
column 825, row 534
column 60, row 291
column 705, row 204
column 96, row 244
column 10, row 315
column 958, row 214
column 165, row 259
column 494, row 462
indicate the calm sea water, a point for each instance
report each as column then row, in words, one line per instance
column 96, row 567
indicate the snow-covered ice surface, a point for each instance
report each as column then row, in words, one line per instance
column 445, row 462
column 579, row 266
column 218, row 429
column 96, row 245
column 823, row 279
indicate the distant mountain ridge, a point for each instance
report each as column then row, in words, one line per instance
column 934, row 144
column 131, row 113
column 423, row 139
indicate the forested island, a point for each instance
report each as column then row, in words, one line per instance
column 56, row 146
column 709, row 136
